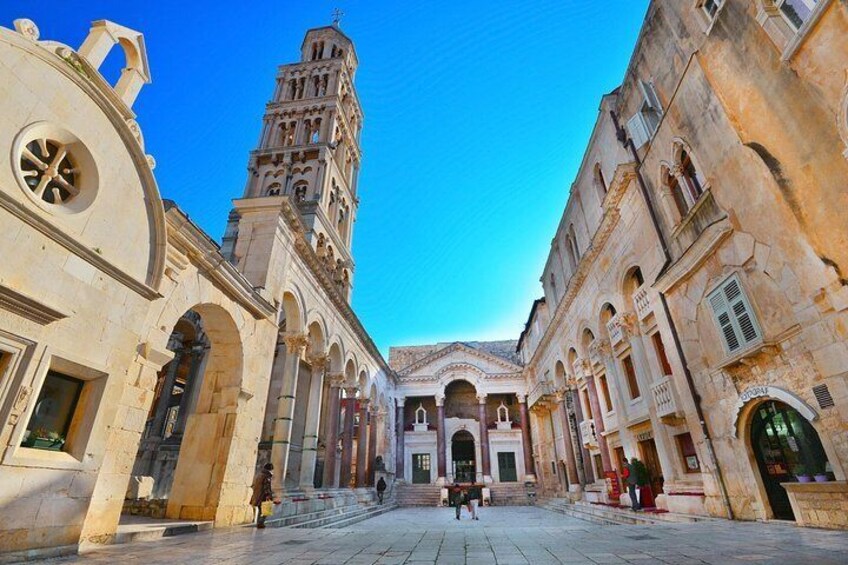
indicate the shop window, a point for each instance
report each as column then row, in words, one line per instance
column 630, row 374
column 686, row 447
column 662, row 358
column 54, row 410
column 605, row 391
column 735, row 318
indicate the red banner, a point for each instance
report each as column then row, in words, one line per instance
column 613, row 485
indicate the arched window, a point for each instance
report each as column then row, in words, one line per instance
column 572, row 258
column 275, row 189
column 573, row 238
column 685, row 181
column 600, row 182
column 694, row 180
column 299, row 192
column 553, row 286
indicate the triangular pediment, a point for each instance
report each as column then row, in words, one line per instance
column 459, row 353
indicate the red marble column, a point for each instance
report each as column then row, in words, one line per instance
column 529, row 466
column 372, row 443
column 332, row 436
column 347, row 439
column 441, row 463
column 570, row 461
column 484, row 439
column 362, row 445
column 599, row 423
column 399, row 450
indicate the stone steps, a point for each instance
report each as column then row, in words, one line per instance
column 155, row 531
column 365, row 514
column 509, row 494
column 417, row 495
column 606, row 515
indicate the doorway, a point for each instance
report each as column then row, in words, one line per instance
column 464, row 460
column 506, row 467
column 651, row 459
column 420, row 468
column 785, row 445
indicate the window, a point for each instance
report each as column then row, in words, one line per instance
column 710, row 7
column 630, row 374
column 734, row 316
column 600, row 182
column 644, row 123
column 662, row 358
column 797, row 12
column 686, row 447
column 605, row 391
column 599, row 465
column 553, row 468
column 694, row 180
column 51, row 418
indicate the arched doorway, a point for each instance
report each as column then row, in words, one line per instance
column 464, row 460
column 785, row 445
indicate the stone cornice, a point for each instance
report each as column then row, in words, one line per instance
column 625, row 173
column 459, row 346
column 191, row 241
column 26, row 307
column 703, row 247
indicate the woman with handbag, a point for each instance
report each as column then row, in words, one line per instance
column 263, row 495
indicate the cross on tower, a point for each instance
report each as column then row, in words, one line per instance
column 337, row 16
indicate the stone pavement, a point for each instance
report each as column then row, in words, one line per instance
column 508, row 535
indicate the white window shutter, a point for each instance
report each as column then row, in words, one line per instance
column 650, row 95
column 734, row 315
column 638, row 130
column 725, row 324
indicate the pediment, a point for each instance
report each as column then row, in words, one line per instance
column 459, row 355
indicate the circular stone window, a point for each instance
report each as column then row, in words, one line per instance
column 54, row 168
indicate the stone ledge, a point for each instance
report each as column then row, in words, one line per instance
column 813, row 487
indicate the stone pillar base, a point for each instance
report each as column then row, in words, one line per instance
column 529, row 478
column 488, row 479
column 441, row 481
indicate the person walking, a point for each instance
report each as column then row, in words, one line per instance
column 381, row 488
column 474, row 496
column 456, row 499
column 631, row 477
column 262, row 491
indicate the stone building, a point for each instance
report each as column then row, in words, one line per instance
column 717, row 169
column 142, row 347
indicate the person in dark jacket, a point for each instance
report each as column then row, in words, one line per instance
column 262, row 491
column 381, row 488
column 458, row 499
column 631, row 477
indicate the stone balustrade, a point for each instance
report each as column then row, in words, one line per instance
column 664, row 397
column 540, row 391
column 587, row 432
column 642, row 302
column 616, row 329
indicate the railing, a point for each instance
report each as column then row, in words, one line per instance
column 664, row 398
column 616, row 330
column 642, row 302
column 538, row 392
column 587, row 432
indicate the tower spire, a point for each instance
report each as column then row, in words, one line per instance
column 337, row 17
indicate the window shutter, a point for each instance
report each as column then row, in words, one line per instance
column 651, row 96
column 638, row 130
column 734, row 315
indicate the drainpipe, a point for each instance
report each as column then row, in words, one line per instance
column 627, row 143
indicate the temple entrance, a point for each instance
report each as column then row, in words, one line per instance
column 785, row 446
column 464, row 460
column 506, row 467
column 420, row 468
column 651, row 459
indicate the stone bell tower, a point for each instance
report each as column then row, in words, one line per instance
column 309, row 150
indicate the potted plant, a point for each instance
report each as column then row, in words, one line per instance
column 820, row 475
column 802, row 474
column 41, row 438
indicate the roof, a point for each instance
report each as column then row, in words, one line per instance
column 405, row 356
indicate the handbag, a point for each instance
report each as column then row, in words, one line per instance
column 266, row 508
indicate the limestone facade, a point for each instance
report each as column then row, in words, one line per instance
column 717, row 168
column 98, row 317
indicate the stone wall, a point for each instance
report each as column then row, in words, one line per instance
column 822, row 505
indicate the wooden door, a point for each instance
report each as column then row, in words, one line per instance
column 421, row 468
column 651, row 459
column 506, row 467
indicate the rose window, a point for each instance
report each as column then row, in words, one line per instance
column 48, row 171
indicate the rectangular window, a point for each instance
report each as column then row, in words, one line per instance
column 553, row 468
column 686, row 446
column 587, row 404
column 734, row 316
column 599, row 465
column 662, row 358
column 630, row 373
column 710, row 7
column 797, row 11
column 51, row 418
column 605, row 391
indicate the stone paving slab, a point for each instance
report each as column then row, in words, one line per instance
column 506, row 535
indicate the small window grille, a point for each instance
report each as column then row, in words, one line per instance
column 823, row 396
column 734, row 315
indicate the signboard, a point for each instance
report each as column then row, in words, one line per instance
column 613, row 485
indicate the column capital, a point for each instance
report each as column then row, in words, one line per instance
column 318, row 360
column 481, row 398
column 363, row 403
column 336, row 379
column 350, row 391
column 522, row 398
column 400, row 400
column 440, row 399
column 559, row 394
column 295, row 342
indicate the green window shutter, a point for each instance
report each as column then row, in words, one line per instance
column 722, row 315
column 734, row 315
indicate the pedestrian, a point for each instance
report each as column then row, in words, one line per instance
column 456, row 499
column 474, row 496
column 631, row 477
column 381, row 488
column 262, row 492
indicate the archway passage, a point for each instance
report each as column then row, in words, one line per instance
column 464, row 460
column 785, row 446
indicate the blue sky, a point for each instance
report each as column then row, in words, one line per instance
column 476, row 118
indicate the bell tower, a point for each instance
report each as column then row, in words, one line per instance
column 309, row 149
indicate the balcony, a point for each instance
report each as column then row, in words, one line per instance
column 642, row 302
column 587, row 433
column 665, row 399
column 616, row 329
column 539, row 392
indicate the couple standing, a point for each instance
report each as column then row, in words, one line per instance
column 469, row 497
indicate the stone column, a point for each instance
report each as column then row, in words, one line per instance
column 295, row 344
column 174, row 344
column 484, row 439
column 570, row 462
column 347, row 437
column 399, row 456
column 362, row 445
column 313, row 420
column 199, row 356
column 529, row 467
column 441, row 448
column 599, row 423
column 332, row 431
column 372, row 444
column 585, row 459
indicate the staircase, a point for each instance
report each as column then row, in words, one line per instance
column 327, row 508
column 509, row 494
column 417, row 495
column 609, row 516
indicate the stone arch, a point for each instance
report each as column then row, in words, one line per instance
column 102, row 38
column 350, row 372
column 756, row 395
column 632, row 279
column 315, row 333
column 560, row 375
column 362, row 382
column 335, row 355
column 587, row 336
column 292, row 311
column 459, row 372
column 315, row 317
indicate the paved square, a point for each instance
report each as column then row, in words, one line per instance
column 509, row 535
